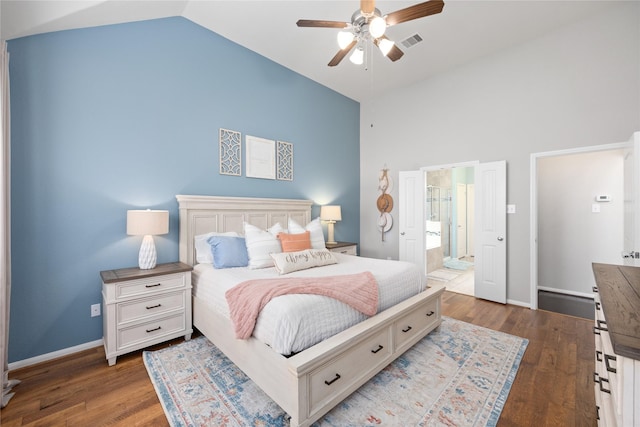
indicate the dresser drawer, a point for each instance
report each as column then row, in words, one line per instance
column 150, row 331
column 147, row 307
column 148, row 286
column 345, row 369
column 415, row 322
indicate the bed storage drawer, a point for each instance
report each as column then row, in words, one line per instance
column 349, row 366
column 415, row 322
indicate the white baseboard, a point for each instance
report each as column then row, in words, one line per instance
column 566, row 292
column 519, row 303
column 54, row 355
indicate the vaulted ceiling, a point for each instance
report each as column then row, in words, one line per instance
column 463, row 32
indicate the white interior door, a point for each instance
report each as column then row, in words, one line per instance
column 471, row 200
column 461, row 220
column 411, row 219
column 491, row 229
column 632, row 202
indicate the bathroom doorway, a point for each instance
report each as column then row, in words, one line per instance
column 449, row 228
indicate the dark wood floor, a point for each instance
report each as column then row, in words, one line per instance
column 553, row 387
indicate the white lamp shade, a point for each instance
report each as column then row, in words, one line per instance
column 385, row 46
column 330, row 213
column 357, row 57
column 377, row 27
column 345, row 38
column 147, row 222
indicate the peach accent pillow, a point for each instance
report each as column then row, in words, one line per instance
column 295, row 242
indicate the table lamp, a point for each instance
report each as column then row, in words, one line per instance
column 330, row 214
column 147, row 223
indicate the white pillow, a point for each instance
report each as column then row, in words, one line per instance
column 315, row 227
column 203, row 249
column 288, row 262
column 261, row 243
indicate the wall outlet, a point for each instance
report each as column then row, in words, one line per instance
column 95, row 310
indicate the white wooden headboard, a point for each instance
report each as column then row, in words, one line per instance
column 204, row 214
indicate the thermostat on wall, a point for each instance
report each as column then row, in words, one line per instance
column 603, row 198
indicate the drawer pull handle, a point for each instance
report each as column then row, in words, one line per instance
column 597, row 306
column 595, row 289
column 407, row 329
column 154, row 329
column 333, row 380
column 153, row 286
column 149, row 307
column 599, row 327
column 600, row 323
column 608, row 357
column 380, row 347
column 599, row 381
column 431, row 313
column 598, row 356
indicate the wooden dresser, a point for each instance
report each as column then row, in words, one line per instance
column 617, row 336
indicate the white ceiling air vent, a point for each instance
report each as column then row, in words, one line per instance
column 410, row 41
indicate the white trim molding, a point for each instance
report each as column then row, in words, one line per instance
column 54, row 355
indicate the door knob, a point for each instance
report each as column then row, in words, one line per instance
column 402, row 234
column 500, row 238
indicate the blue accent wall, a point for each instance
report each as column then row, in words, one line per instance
column 126, row 116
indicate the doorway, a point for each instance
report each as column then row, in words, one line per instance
column 567, row 186
column 449, row 228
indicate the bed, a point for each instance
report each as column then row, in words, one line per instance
column 311, row 382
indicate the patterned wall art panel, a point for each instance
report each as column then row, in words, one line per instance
column 285, row 161
column 230, row 152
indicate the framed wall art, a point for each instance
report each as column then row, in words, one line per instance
column 260, row 157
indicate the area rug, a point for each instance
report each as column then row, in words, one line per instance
column 459, row 375
column 457, row 264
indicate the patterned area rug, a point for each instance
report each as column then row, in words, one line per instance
column 459, row 375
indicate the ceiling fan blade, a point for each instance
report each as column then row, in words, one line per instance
column 321, row 24
column 367, row 6
column 414, row 12
column 394, row 54
column 341, row 54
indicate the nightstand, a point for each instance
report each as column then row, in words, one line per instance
column 347, row 248
column 145, row 307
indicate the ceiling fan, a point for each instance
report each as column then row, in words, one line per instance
column 367, row 23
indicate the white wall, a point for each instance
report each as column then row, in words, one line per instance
column 577, row 86
column 570, row 235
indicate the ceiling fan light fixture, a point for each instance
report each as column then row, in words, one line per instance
column 385, row 46
column 345, row 38
column 377, row 27
column 357, row 57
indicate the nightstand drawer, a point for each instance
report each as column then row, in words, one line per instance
column 343, row 248
column 150, row 331
column 148, row 307
column 149, row 285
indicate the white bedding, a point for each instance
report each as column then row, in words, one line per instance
column 292, row 323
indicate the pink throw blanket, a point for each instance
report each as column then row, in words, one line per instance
column 248, row 298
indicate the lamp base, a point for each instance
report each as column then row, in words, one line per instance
column 330, row 238
column 147, row 256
